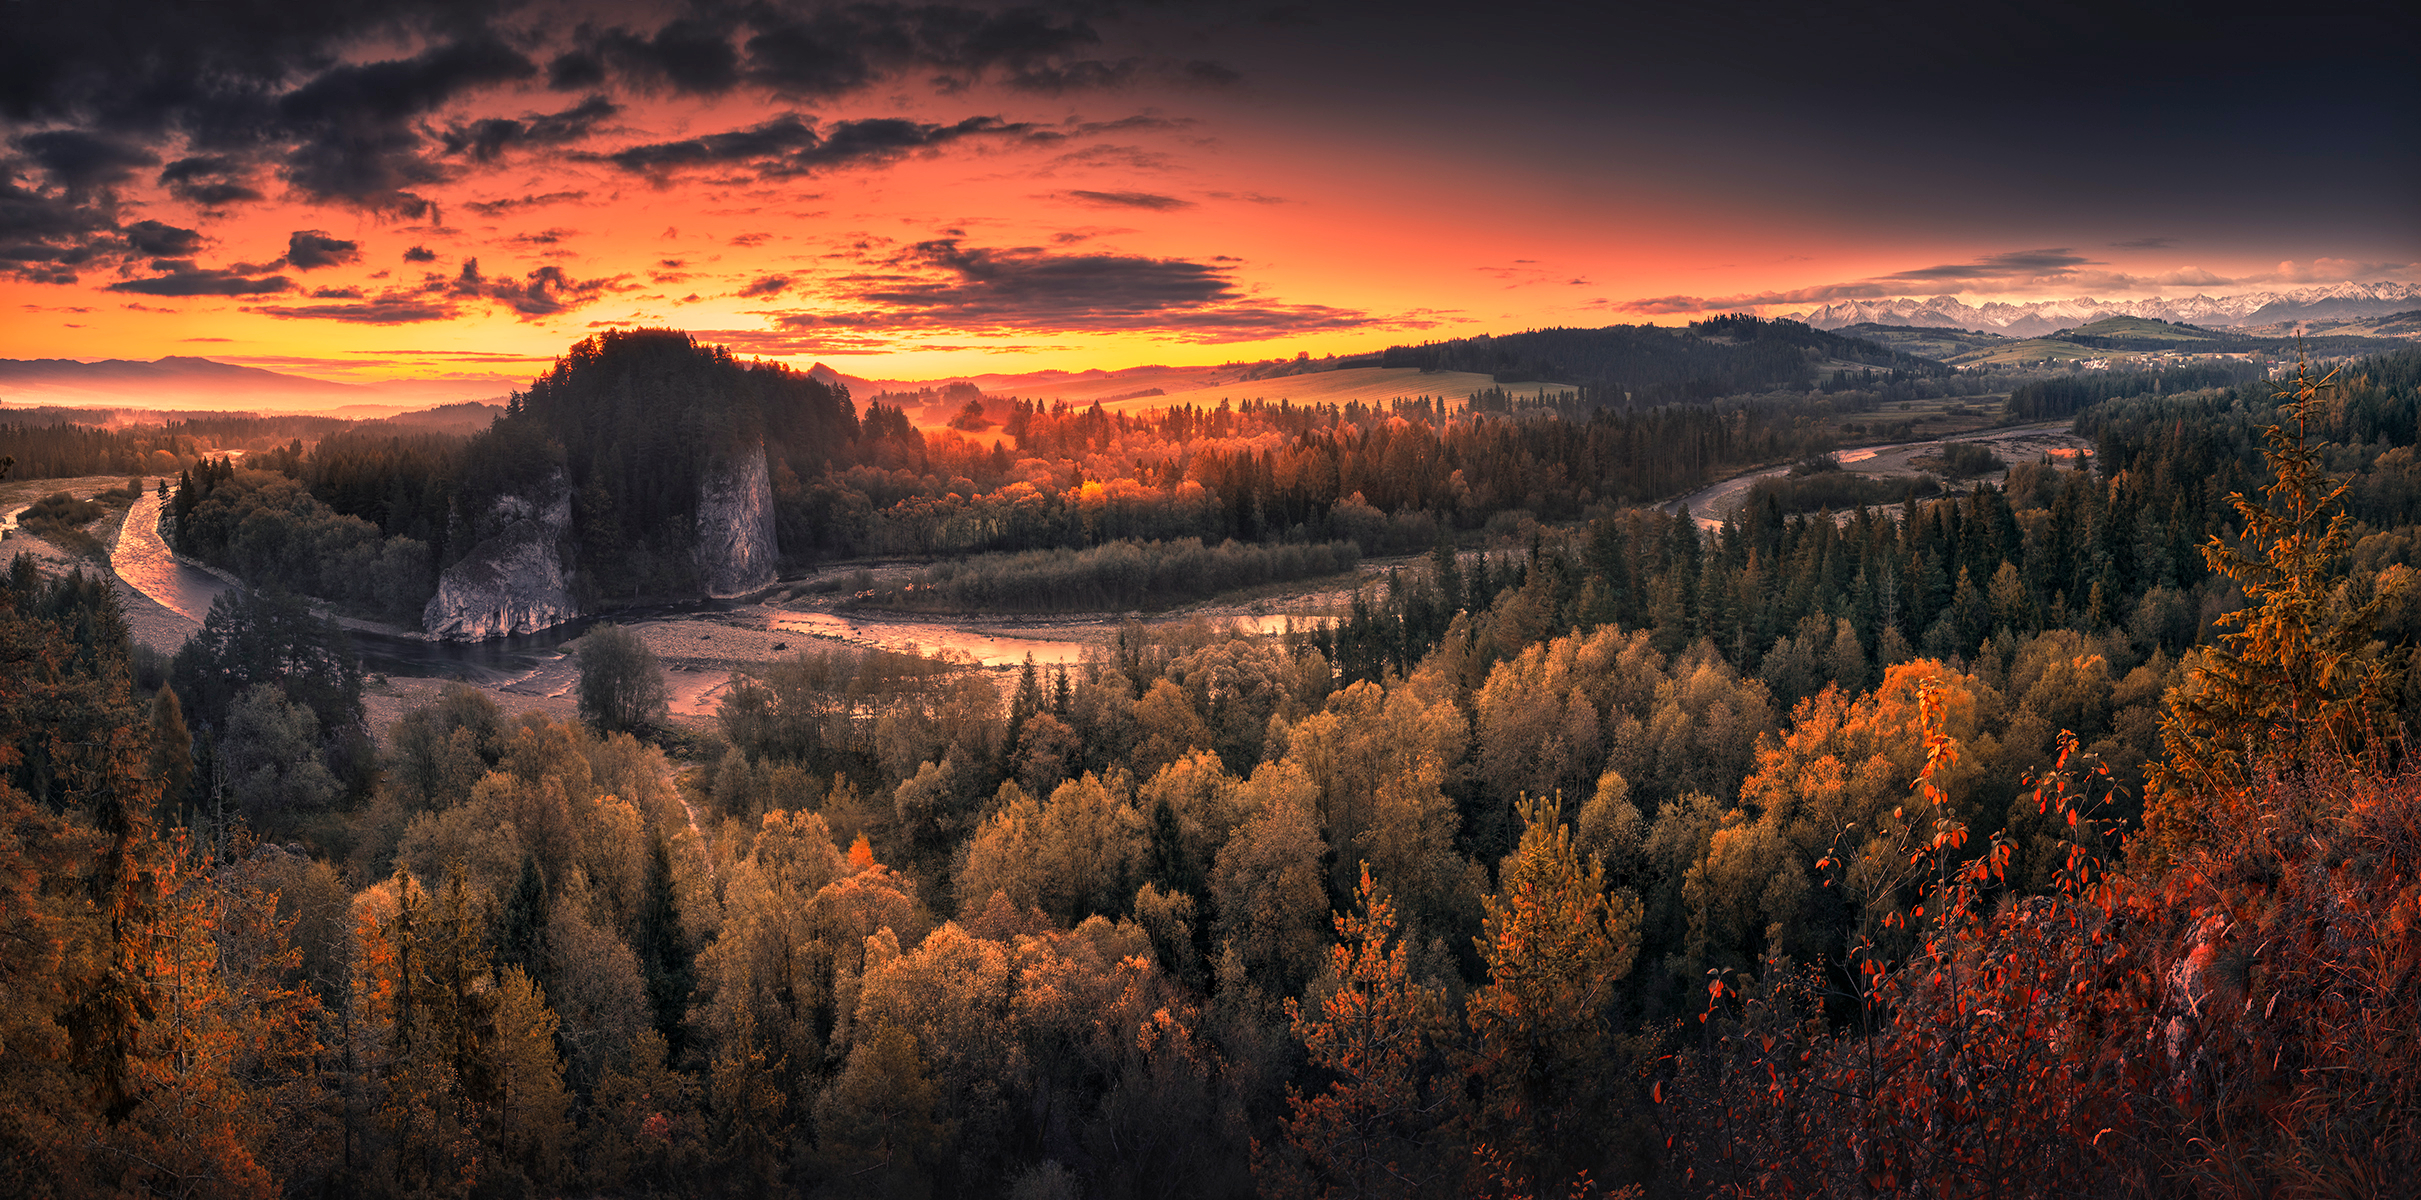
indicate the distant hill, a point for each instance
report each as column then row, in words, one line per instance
column 1718, row 357
column 1935, row 342
column 2151, row 335
column 182, row 382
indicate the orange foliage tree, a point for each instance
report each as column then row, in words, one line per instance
column 1376, row 1130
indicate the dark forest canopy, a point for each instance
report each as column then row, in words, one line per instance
column 632, row 422
column 2065, row 395
column 1719, row 356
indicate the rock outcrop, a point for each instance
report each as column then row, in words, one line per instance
column 513, row 581
column 736, row 549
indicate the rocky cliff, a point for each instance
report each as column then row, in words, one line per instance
column 735, row 527
column 513, row 581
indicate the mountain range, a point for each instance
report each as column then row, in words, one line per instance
column 2330, row 302
column 185, row 382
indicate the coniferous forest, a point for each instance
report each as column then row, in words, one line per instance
column 2056, row 836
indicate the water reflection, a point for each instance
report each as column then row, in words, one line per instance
column 535, row 664
column 143, row 560
column 989, row 649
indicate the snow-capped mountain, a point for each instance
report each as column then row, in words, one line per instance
column 2335, row 301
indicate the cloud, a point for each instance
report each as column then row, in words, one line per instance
column 542, row 293
column 1205, row 73
column 497, row 208
column 420, row 254
column 844, row 49
column 544, row 237
column 393, row 308
column 2010, row 271
column 2145, row 243
column 947, row 284
column 1153, row 201
column 209, row 180
column 309, row 250
column 791, row 145
column 185, row 279
column 2016, row 264
column 765, row 285
column 483, row 140
column 2334, row 270
column 157, row 240
column 80, row 161
column 357, row 141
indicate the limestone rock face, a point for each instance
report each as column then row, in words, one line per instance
column 735, row 527
column 513, row 581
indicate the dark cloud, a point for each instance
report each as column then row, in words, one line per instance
column 1993, row 272
column 544, row 237
column 2017, row 264
column 497, row 208
column 791, row 145
column 1054, row 79
column 185, row 279
column 542, row 293
column 691, row 54
column 839, row 50
column 947, row 284
column 158, row 240
column 1150, row 200
column 355, row 124
column 766, row 285
column 309, row 250
column 208, row 180
column 393, row 308
column 420, row 254
column 336, row 293
column 483, row 140
column 45, row 236
column 80, row 161
column 1211, row 74
column 757, row 143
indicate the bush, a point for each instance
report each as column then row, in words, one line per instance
column 621, row 683
column 1837, row 490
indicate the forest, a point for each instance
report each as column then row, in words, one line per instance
column 625, row 426
column 1645, row 364
column 2053, row 837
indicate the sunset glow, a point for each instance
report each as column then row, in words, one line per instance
column 916, row 193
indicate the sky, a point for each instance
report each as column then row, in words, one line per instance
column 364, row 190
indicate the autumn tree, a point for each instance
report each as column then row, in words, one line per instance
column 2292, row 686
column 1376, row 1129
column 621, row 684
column 1546, row 1068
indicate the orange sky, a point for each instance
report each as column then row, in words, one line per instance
column 962, row 209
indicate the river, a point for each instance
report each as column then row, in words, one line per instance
column 1711, row 504
column 685, row 636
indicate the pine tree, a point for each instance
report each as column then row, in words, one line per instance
column 665, row 960
column 2291, row 688
column 1541, row 1056
column 1375, row 1130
